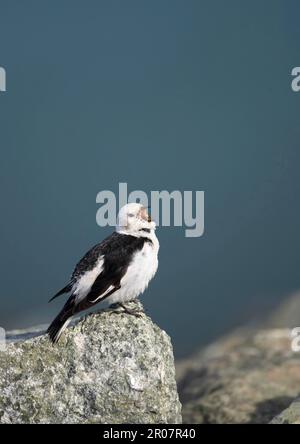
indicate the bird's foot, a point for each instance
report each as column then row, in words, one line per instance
column 136, row 313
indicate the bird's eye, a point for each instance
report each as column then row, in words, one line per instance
column 130, row 215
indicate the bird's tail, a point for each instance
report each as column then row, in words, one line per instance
column 59, row 324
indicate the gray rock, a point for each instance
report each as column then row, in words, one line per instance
column 109, row 368
column 247, row 377
column 291, row 415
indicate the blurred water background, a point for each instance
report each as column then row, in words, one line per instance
column 163, row 95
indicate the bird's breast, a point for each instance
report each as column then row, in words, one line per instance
column 141, row 270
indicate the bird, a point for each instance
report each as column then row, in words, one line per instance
column 116, row 270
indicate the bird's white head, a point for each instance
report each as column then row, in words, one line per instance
column 134, row 219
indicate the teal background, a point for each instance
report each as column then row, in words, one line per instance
column 173, row 95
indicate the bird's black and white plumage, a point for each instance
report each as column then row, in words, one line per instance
column 117, row 270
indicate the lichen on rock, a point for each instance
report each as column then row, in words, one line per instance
column 111, row 367
column 291, row 415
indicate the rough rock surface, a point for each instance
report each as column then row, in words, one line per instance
column 109, row 368
column 291, row 415
column 248, row 377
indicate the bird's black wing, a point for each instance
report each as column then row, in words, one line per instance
column 117, row 256
column 86, row 263
column 66, row 289
column 117, row 251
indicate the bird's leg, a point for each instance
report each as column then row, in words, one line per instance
column 127, row 310
column 137, row 313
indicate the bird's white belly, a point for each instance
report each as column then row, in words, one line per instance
column 139, row 273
